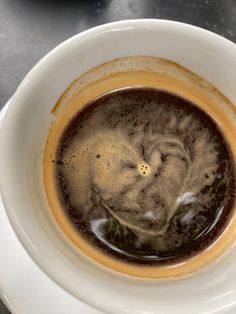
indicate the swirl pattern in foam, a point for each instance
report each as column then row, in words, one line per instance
column 145, row 175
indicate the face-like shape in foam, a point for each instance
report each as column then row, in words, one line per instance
column 139, row 166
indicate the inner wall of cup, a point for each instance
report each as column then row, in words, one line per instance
column 198, row 51
column 159, row 66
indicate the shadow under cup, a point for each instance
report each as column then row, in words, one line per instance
column 24, row 133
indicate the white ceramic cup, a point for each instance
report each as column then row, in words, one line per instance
column 22, row 141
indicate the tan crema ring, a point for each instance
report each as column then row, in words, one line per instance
column 148, row 72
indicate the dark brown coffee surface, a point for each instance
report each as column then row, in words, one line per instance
column 145, row 176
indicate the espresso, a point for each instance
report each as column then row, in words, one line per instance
column 144, row 176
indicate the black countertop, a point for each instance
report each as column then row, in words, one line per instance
column 30, row 28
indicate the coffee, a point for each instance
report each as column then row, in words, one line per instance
column 145, row 176
column 142, row 176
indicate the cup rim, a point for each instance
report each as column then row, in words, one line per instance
column 23, row 88
column 110, row 26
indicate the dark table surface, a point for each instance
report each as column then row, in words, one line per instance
column 30, row 28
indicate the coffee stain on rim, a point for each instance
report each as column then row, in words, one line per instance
column 92, row 75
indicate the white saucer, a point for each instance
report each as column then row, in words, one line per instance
column 24, row 288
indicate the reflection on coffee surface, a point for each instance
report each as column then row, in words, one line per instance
column 145, row 176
